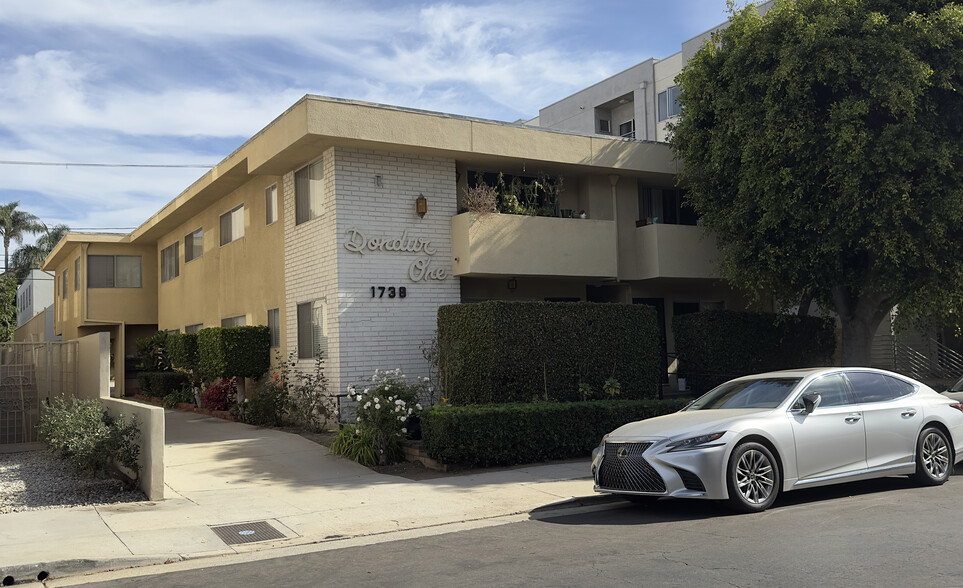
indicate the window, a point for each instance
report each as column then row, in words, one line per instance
column 169, row 267
column 669, row 103
column 604, row 127
column 194, row 245
column 312, row 329
column 113, row 271
column 234, row 321
column 190, row 329
column 63, row 284
column 627, row 129
column 173, row 331
column 271, row 205
column 274, row 326
column 832, row 389
column 308, row 190
column 872, row 387
column 76, row 274
column 232, row 225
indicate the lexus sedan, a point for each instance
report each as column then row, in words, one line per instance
column 753, row 437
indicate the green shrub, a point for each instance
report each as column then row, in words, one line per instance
column 266, row 405
column 517, row 433
column 161, row 384
column 181, row 395
column 224, row 352
column 358, row 445
column 182, row 350
column 384, row 406
column 152, row 352
column 95, row 443
column 715, row 346
column 494, row 352
column 143, row 383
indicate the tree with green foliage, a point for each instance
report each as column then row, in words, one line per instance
column 14, row 225
column 30, row 257
column 822, row 143
column 8, row 307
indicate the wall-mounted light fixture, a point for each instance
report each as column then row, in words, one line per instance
column 512, row 284
column 421, row 205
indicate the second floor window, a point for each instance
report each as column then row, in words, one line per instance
column 308, row 189
column 194, row 245
column 669, row 103
column 114, row 271
column 169, row 263
column 232, row 225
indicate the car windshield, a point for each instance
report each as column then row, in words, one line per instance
column 957, row 387
column 759, row 393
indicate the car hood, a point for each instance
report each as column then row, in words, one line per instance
column 683, row 423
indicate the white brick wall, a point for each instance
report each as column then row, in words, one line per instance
column 366, row 333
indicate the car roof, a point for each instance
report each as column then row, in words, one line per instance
column 816, row 371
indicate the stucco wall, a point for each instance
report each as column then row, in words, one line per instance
column 244, row 277
column 93, row 376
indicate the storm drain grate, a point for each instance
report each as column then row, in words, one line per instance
column 247, row 532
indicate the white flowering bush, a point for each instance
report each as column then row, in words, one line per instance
column 385, row 407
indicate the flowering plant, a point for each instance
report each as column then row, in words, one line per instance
column 385, row 407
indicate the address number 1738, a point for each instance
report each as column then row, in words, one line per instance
column 389, row 291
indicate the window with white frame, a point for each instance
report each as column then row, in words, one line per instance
column 194, row 245
column 234, row 321
column 312, row 329
column 669, row 103
column 232, row 225
column 169, row 262
column 308, row 190
column 274, row 326
column 191, row 329
column 113, row 271
column 76, row 274
column 173, row 331
column 271, row 205
column 627, row 129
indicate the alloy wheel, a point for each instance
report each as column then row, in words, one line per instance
column 754, row 476
column 935, row 455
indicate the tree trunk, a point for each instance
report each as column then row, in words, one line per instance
column 860, row 316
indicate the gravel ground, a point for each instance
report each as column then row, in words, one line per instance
column 37, row 480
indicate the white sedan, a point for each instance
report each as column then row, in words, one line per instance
column 752, row 437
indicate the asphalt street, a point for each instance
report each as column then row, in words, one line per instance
column 880, row 533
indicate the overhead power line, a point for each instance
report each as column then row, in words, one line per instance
column 71, row 164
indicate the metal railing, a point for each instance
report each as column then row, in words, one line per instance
column 939, row 362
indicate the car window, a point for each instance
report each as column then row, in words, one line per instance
column 872, row 387
column 831, row 388
column 760, row 393
column 957, row 387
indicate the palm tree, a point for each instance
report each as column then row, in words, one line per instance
column 14, row 224
column 31, row 257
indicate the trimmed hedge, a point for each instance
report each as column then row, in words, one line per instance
column 715, row 346
column 160, row 384
column 225, row 352
column 497, row 351
column 182, row 351
column 516, row 433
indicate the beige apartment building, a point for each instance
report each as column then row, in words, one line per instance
column 339, row 226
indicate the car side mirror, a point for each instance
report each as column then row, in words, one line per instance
column 811, row 401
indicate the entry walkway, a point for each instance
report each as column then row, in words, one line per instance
column 222, row 473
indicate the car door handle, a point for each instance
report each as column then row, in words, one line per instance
column 908, row 412
column 854, row 417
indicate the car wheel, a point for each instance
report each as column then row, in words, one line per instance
column 639, row 499
column 752, row 478
column 934, row 458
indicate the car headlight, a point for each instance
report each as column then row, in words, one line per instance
column 700, row 442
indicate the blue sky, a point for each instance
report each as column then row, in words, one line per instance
column 186, row 82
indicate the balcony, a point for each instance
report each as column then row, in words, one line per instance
column 672, row 251
column 514, row 245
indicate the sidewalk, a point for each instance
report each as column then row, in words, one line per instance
column 223, row 473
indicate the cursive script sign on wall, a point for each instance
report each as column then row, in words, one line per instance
column 420, row 270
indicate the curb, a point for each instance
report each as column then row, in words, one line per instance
column 38, row 572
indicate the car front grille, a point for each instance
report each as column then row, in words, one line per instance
column 623, row 468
